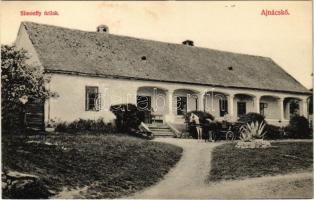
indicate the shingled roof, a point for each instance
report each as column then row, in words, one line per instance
column 102, row 54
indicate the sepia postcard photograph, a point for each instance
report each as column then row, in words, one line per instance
column 156, row 100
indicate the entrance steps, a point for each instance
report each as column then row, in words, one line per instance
column 160, row 130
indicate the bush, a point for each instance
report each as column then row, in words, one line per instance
column 252, row 117
column 273, row 132
column 128, row 117
column 85, row 125
column 299, row 127
column 251, row 131
column 61, row 127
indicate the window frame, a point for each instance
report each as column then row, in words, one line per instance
column 181, row 112
column 223, row 103
column 87, row 99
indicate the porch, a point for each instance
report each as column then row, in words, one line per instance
column 167, row 105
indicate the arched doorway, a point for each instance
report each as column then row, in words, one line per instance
column 152, row 102
column 185, row 100
column 217, row 103
column 244, row 103
column 292, row 107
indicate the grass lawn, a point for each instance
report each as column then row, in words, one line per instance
column 112, row 166
column 229, row 162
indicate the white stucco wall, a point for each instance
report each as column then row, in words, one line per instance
column 23, row 42
column 272, row 111
column 70, row 105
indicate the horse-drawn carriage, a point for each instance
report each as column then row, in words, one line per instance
column 226, row 130
column 215, row 130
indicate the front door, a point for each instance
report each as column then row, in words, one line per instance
column 181, row 105
column 223, row 107
column 241, row 108
column 144, row 104
column 34, row 115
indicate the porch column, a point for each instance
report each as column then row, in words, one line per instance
column 170, row 116
column 230, row 107
column 256, row 104
column 304, row 108
column 287, row 109
column 170, row 105
column 201, row 106
column 281, row 108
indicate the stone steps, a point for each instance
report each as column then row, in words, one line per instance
column 160, row 130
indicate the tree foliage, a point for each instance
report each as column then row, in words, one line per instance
column 19, row 81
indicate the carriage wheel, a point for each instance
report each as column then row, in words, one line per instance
column 214, row 135
column 229, row 135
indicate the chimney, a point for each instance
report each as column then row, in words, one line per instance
column 102, row 29
column 188, row 42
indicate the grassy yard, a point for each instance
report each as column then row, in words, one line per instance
column 112, row 166
column 229, row 163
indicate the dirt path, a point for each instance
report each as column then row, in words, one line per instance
column 189, row 174
column 187, row 179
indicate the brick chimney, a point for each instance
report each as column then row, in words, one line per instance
column 188, row 42
column 102, row 29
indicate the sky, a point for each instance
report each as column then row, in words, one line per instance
column 223, row 25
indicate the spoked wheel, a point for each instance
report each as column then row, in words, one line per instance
column 214, row 135
column 230, row 135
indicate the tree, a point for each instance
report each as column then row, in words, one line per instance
column 20, row 82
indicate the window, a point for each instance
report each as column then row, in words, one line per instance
column 93, row 101
column 262, row 108
column 223, row 107
column 241, row 108
column 181, row 105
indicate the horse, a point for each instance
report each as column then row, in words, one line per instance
column 196, row 119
